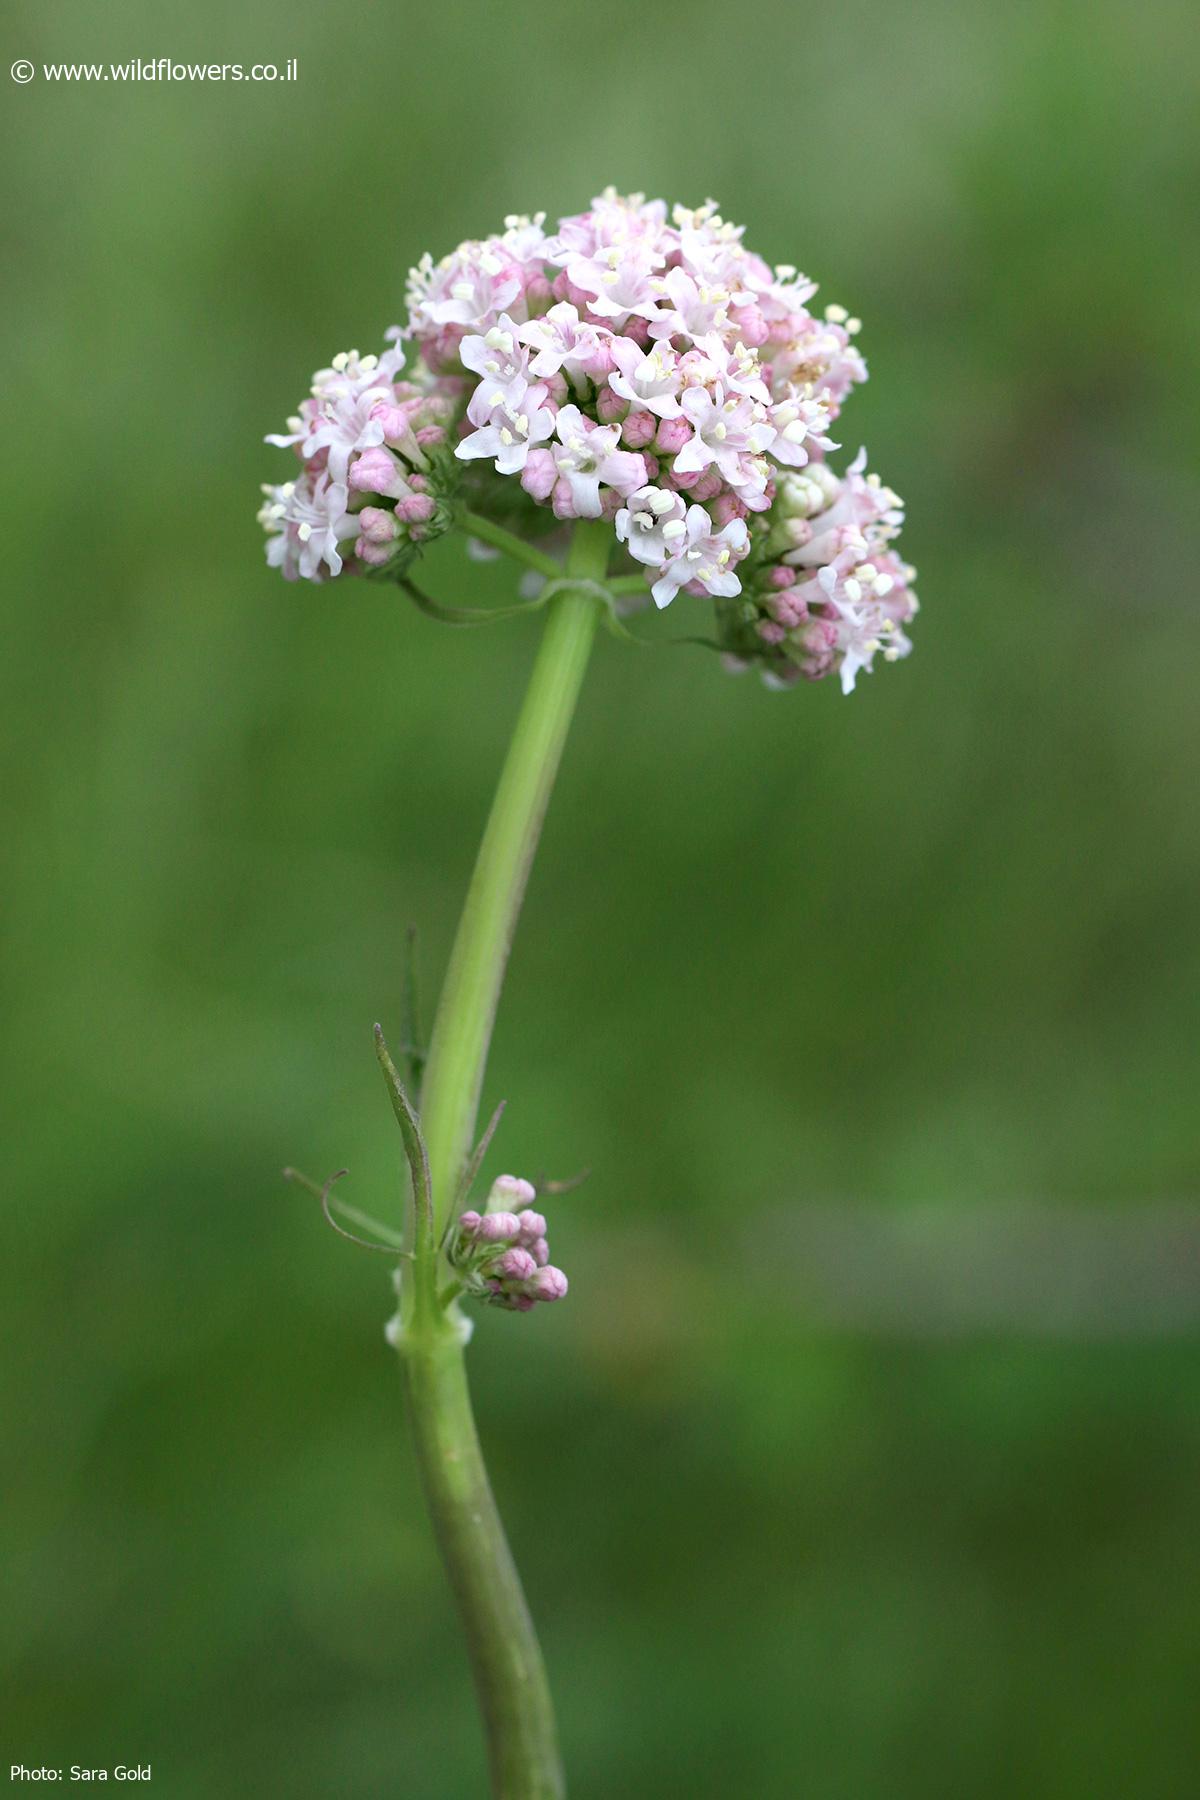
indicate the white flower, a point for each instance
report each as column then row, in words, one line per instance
column 641, row 525
column 587, row 454
column 731, row 432
column 864, row 624
column 306, row 521
column 500, row 359
column 698, row 553
column 562, row 341
column 618, row 281
column 507, row 429
column 648, row 379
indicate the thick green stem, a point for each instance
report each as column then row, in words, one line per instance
column 463, row 1027
column 505, row 1656
column 506, row 1659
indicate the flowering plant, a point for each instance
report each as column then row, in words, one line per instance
column 634, row 407
column 631, row 366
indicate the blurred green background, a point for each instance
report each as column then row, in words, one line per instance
column 910, row 959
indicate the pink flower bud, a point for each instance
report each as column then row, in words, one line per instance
column 601, row 362
column 377, row 526
column 727, row 506
column 416, row 509
column 550, row 1283
column 672, row 435
column 512, row 1189
column 394, row 420
column 539, row 295
column 780, row 577
column 562, row 500
column 378, row 531
column 750, row 325
column 638, row 430
column 498, row 1228
column 468, row 1224
column 430, row 435
column 376, row 471
column 819, row 635
column 707, row 486
column 788, row 607
column 770, row 632
column 515, row 1265
column 539, row 475
column 533, row 1226
column 609, row 406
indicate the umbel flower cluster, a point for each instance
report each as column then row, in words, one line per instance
column 501, row 1255
column 634, row 364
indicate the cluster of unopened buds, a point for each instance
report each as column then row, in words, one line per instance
column 635, row 365
column 501, row 1255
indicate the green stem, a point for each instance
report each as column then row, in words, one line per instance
column 506, row 1658
column 463, row 1027
column 510, row 544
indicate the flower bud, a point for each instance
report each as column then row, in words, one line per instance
column 394, row 420
column 750, row 325
column 416, row 508
column 601, row 362
column 533, row 1226
column 672, row 435
column 539, row 475
column 550, row 1283
column 639, row 429
column 610, row 407
column 515, row 1265
column 498, row 1228
column 727, row 506
column 511, row 1190
column 562, row 500
column 376, row 471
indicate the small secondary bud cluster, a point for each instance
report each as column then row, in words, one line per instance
column 501, row 1255
column 829, row 591
column 373, row 450
column 637, row 364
